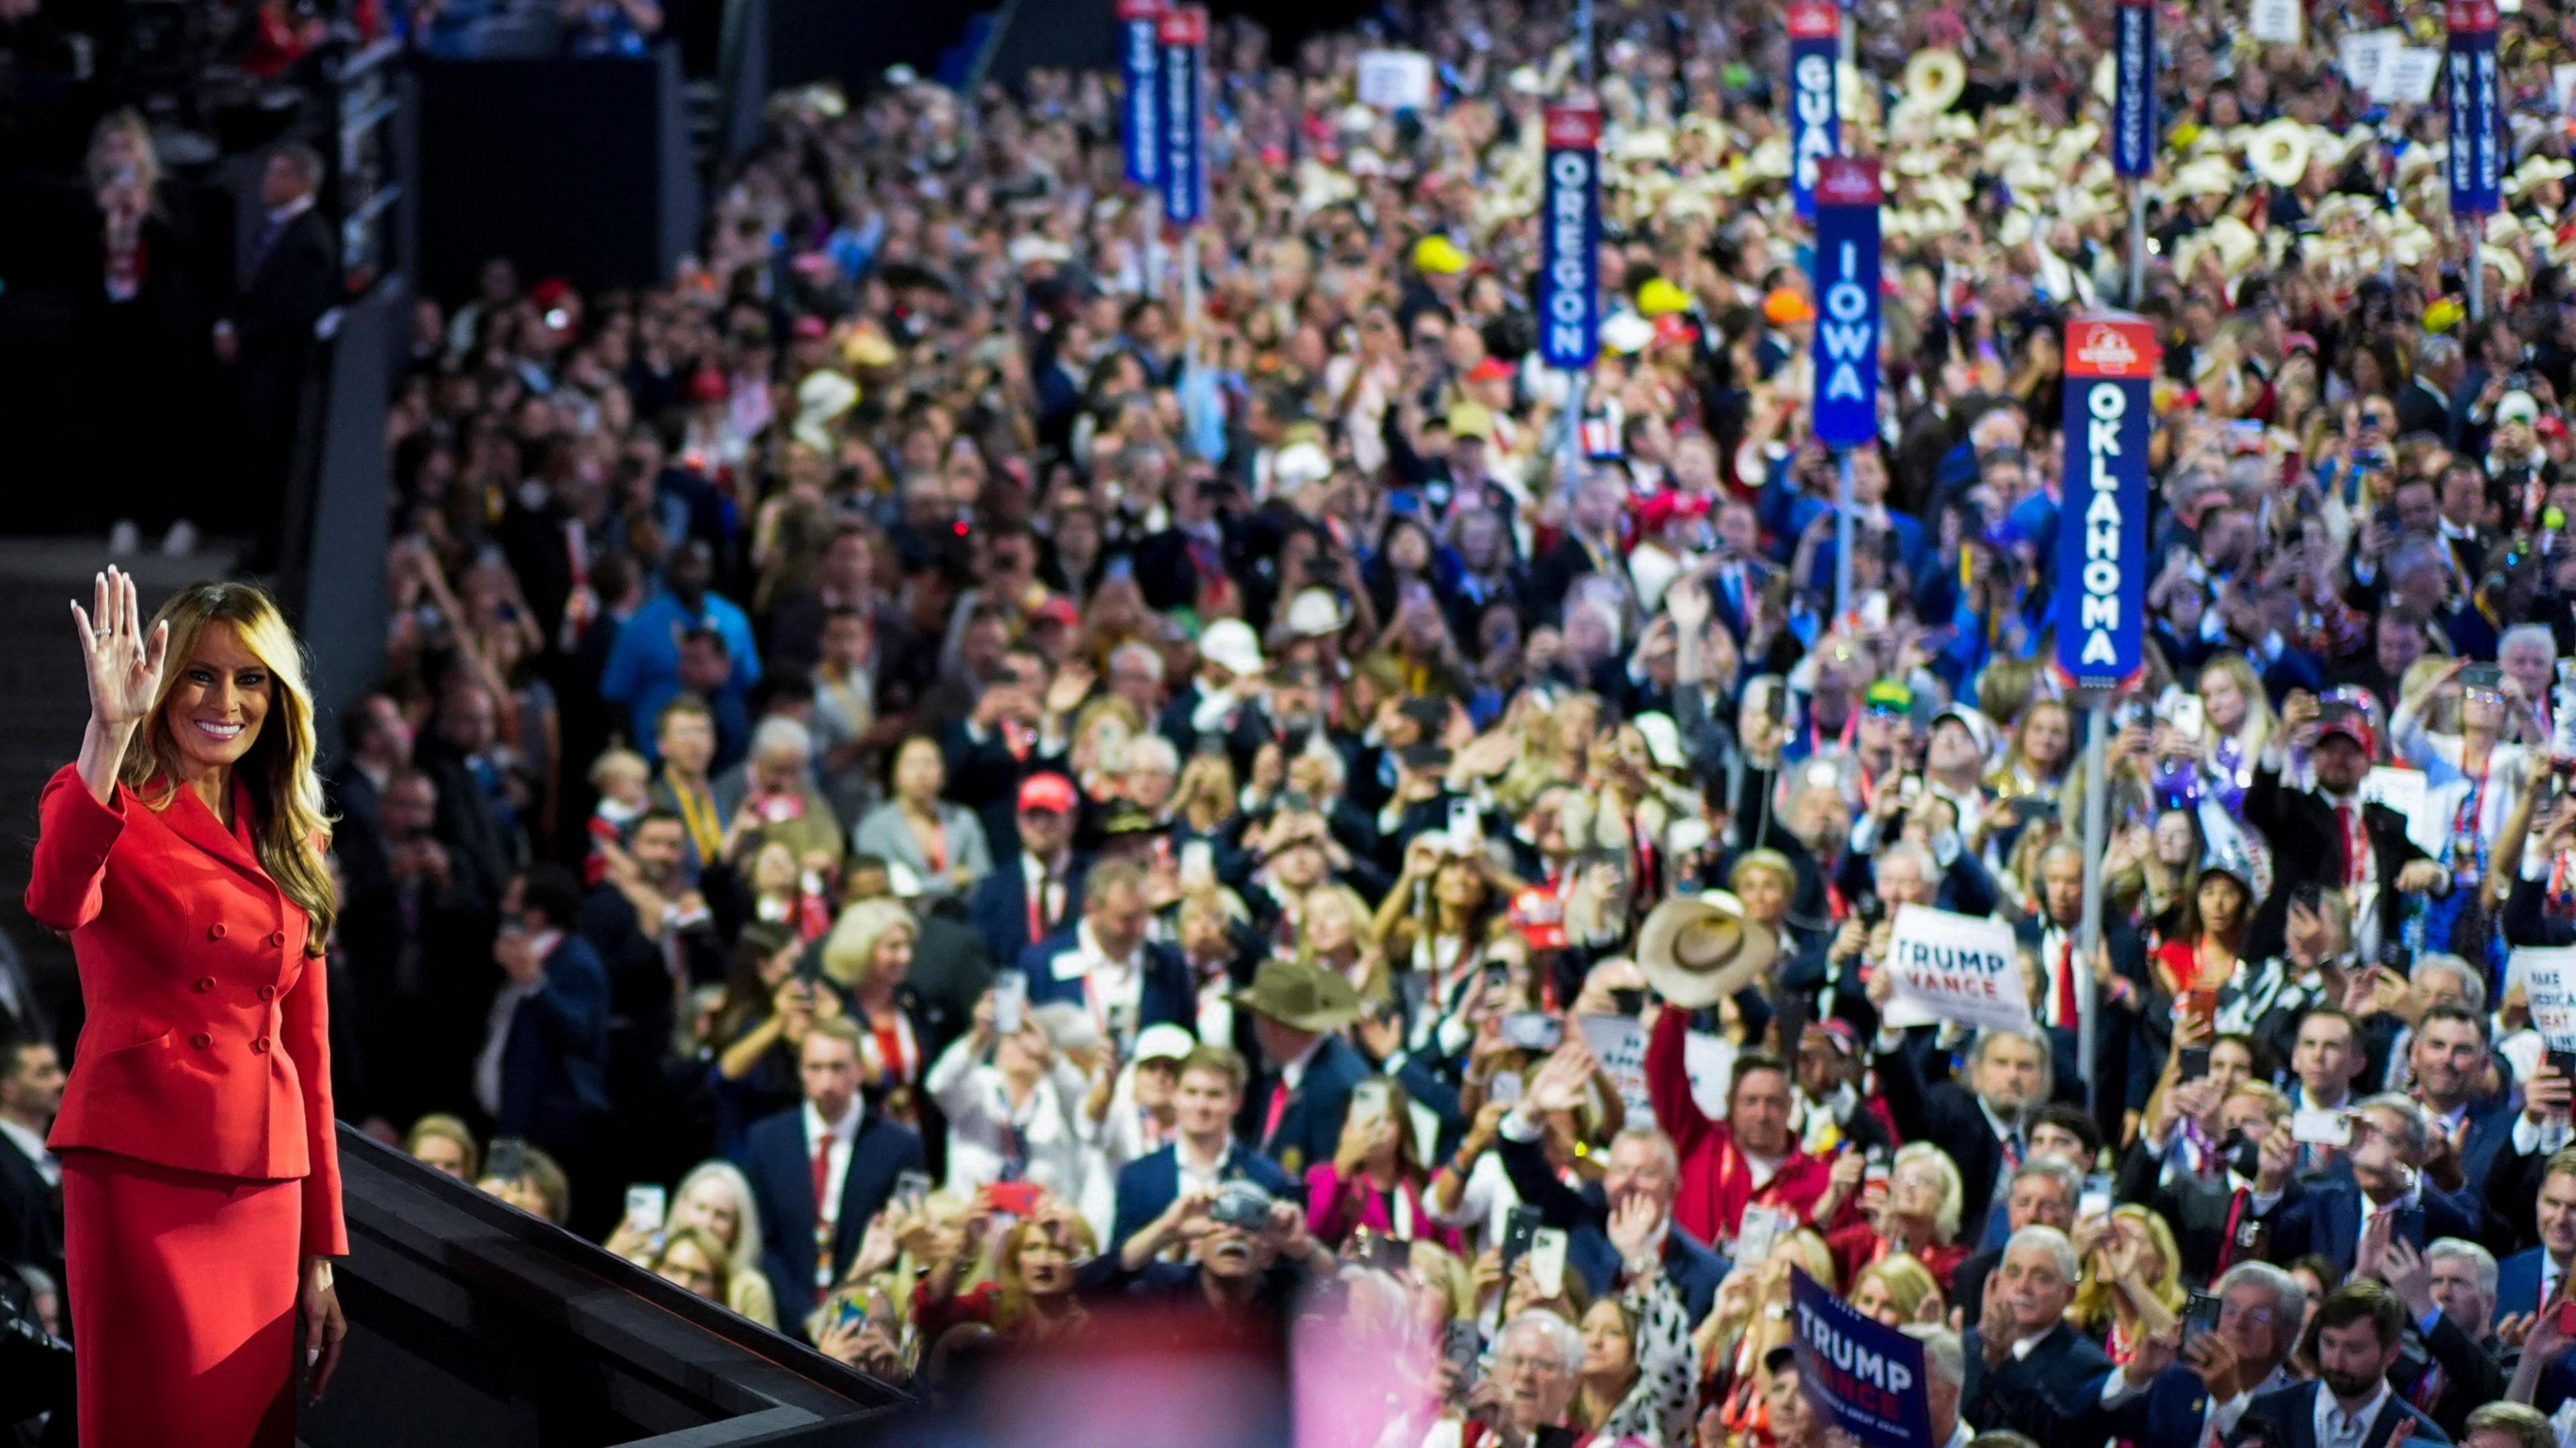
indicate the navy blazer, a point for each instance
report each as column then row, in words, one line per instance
column 554, row 1068
column 1164, row 997
column 999, row 908
column 781, row 1172
column 2518, row 1282
column 2048, row 1396
column 1147, row 1185
column 2490, row 1134
column 2173, row 1409
column 1583, row 1215
column 2325, row 1216
column 1310, row 1129
column 2287, row 1418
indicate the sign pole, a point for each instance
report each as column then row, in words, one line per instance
column 1844, row 505
column 2097, row 830
column 2137, row 242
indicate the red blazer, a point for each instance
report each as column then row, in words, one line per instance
column 207, row 1045
column 1717, row 1182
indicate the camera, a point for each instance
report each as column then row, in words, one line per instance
column 1241, row 1204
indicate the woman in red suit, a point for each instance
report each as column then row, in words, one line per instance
column 201, row 1181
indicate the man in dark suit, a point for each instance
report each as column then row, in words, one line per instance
column 1629, row 1208
column 1203, row 1152
column 1298, row 1010
column 2449, row 1057
column 289, row 279
column 2545, row 1217
column 31, row 1180
column 2359, row 1330
column 1979, row 1124
column 2259, row 1308
column 456, row 757
column 2072, row 995
column 2328, row 836
column 1038, row 891
column 2028, row 1370
column 2449, row 1292
column 2043, row 1193
column 1106, row 965
column 542, row 1074
column 376, row 744
column 2333, row 1214
column 822, row 1171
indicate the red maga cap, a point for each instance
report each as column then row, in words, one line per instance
column 1573, row 125
column 1848, row 181
column 2120, row 347
column 2471, row 14
column 1140, row 9
column 1814, row 20
column 1183, row 25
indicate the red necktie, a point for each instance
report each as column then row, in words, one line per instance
column 2236, row 1204
column 822, row 1174
column 2067, row 1015
column 1278, row 1108
column 2352, row 844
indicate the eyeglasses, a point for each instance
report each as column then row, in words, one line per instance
column 1514, row 1362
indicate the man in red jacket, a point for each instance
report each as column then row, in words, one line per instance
column 1750, row 1157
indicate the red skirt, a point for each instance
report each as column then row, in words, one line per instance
column 183, row 1290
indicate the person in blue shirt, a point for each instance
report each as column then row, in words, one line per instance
column 646, row 666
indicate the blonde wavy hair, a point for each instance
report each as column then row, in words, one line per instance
column 290, row 827
column 850, row 951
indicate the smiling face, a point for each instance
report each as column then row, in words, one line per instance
column 216, row 706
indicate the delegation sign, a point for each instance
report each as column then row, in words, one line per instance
column 2133, row 94
column 1569, row 274
column 2101, row 579
column 1815, row 132
column 1847, row 301
column 1951, row 967
column 1137, row 43
column 1182, row 35
column 1864, row 1376
column 2477, row 110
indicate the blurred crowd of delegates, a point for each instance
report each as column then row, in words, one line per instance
column 1005, row 797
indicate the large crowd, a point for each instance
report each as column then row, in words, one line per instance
column 926, row 793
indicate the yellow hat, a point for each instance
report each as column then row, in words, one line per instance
column 2443, row 315
column 1439, row 256
column 1660, row 297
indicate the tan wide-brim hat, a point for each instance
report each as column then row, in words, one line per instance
column 1934, row 81
column 1299, row 994
column 1696, row 950
column 2278, row 151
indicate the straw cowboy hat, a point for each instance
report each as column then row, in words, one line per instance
column 2278, row 151
column 2537, row 171
column 1934, row 81
column 1299, row 994
column 1696, row 950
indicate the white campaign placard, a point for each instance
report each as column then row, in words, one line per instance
column 1619, row 1044
column 2274, row 22
column 1395, row 80
column 2365, row 56
column 2406, row 77
column 2548, row 976
column 1711, row 1061
column 2405, row 791
column 2562, row 85
column 1950, row 967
